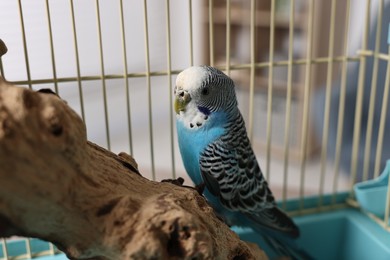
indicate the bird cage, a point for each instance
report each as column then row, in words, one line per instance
column 312, row 79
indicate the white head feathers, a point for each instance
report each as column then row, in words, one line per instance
column 191, row 78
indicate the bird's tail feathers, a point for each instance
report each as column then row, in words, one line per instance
column 287, row 247
column 275, row 219
column 279, row 233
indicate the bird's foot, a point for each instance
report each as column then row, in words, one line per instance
column 179, row 181
column 200, row 188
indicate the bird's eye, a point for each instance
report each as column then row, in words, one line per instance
column 205, row 91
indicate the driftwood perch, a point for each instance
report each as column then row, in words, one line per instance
column 91, row 203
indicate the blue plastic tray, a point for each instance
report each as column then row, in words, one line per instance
column 17, row 247
column 342, row 234
column 372, row 194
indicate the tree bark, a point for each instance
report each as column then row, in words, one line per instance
column 91, row 203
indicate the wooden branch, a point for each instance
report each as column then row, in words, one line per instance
column 91, row 203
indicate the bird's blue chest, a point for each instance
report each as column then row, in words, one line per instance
column 192, row 142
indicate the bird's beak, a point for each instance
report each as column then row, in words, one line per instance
column 182, row 98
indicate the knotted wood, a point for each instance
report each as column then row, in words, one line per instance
column 91, row 203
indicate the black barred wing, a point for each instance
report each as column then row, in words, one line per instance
column 230, row 171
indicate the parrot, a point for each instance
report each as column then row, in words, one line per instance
column 218, row 157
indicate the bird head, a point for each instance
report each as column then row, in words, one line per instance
column 204, row 88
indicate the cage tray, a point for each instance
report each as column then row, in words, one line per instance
column 17, row 249
column 340, row 234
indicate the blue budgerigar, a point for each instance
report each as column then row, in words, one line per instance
column 217, row 155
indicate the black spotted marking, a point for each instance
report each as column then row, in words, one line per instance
column 204, row 110
column 191, row 125
column 198, row 124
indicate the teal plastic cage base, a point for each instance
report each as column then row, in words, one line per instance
column 344, row 233
column 341, row 234
column 17, row 249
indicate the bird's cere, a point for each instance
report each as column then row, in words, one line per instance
column 182, row 98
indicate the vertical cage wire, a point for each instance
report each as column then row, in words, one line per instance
column 228, row 28
column 325, row 130
column 288, row 103
column 190, row 27
column 252, row 67
column 24, row 44
column 5, row 249
column 76, row 52
column 374, row 81
column 52, row 250
column 385, row 102
column 149, row 88
column 387, row 210
column 125, row 72
column 103, row 75
column 211, row 32
column 382, row 122
column 169, row 76
column 53, row 60
column 306, row 104
column 359, row 97
column 28, row 247
column 341, row 110
column 270, row 90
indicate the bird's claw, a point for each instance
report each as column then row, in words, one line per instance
column 200, row 188
column 180, row 181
